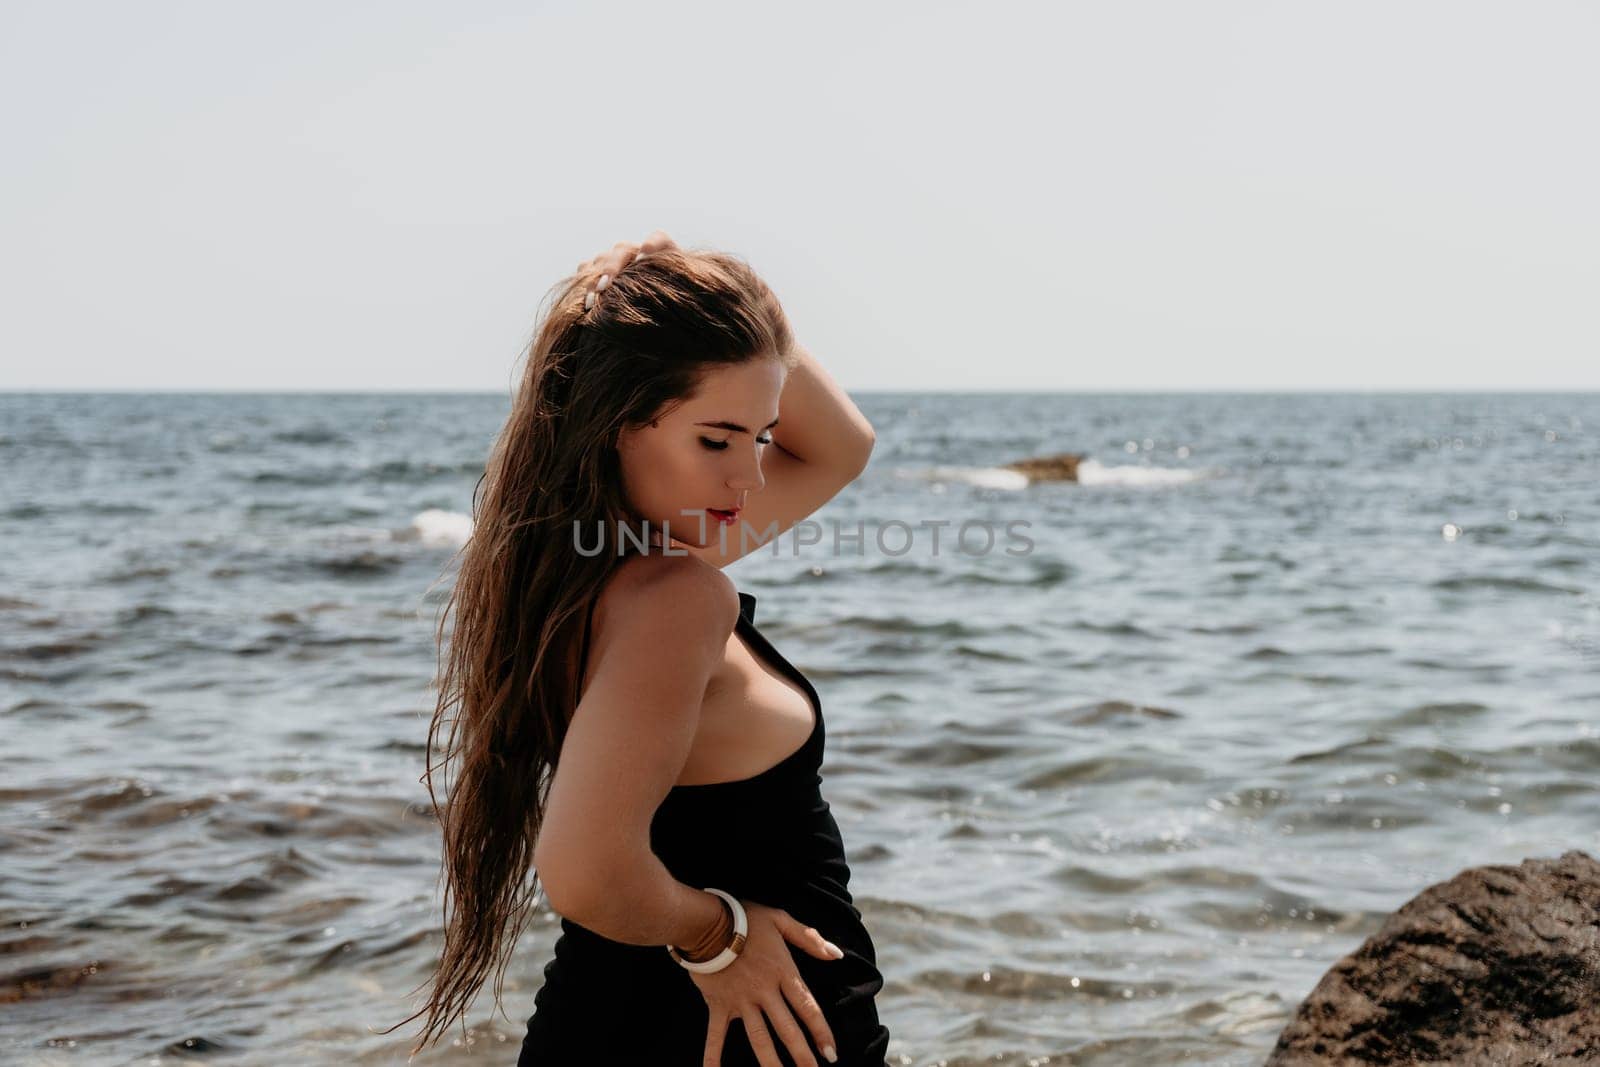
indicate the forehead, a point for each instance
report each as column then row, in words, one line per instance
column 743, row 392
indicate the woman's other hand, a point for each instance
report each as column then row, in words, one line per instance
column 764, row 979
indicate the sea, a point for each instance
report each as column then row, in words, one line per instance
column 1123, row 764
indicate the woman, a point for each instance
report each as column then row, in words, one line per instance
column 623, row 727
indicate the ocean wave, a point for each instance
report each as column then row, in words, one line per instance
column 1091, row 474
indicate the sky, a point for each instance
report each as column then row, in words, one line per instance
column 1119, row 195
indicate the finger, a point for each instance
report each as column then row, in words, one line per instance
column 656, row 242
column 715, row 1033
column 598, row 263
column 623, row 254
column 808, row 938
column 620, row 254
column 798, row 994
column 789, row 1030
column 760, row 1040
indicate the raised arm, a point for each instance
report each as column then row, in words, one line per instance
column 821, row 444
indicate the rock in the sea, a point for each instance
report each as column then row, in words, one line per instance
column 1499, row 965
column 1060, row 468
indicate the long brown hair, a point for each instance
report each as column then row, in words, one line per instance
column 521, row 594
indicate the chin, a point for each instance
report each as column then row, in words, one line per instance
column 687, row 528
column 685, row 531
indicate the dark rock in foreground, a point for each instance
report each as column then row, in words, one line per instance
column 1499, row 965
column 1060, row 468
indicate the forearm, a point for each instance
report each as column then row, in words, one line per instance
column 817, row 420
column 641, row 903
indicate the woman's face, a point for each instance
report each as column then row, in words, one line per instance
column 705, row 452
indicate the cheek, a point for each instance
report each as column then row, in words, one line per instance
column 696, row 467
column 671, row 476
column 645, row 468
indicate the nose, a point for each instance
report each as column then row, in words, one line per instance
column 748, row 478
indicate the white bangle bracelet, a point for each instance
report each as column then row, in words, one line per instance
column 741, row 927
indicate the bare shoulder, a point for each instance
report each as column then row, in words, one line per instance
column 667, row 600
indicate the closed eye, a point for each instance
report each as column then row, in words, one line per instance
column 718, row 446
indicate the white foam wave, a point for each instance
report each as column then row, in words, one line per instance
column 435, row 526
column 1091, row 472
column 982, row 477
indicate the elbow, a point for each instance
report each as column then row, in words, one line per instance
column 853, row 442
column 578, row 887
column 551, row 886
column 564, row 883
column 864, row 449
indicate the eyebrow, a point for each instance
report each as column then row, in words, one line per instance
column 734, row 426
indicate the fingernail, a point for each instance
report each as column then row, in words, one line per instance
column 838, row 953
column 829, row 1054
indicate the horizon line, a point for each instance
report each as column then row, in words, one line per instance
column 1025, row 391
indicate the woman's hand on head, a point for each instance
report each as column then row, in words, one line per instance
column 607, row 264
column 764, row 979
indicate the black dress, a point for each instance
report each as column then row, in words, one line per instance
column 770, row 839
